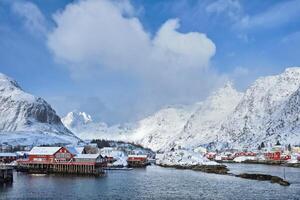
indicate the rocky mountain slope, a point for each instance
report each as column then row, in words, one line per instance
column 266, row 113
column 26, row 119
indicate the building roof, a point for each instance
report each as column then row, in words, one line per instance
column 8, row 155
column 137, row 156
column 87, row 156
column 44, row 150
column 22, row 153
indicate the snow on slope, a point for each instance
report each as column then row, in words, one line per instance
column 171, row 127
column 286, row 126
column 261, row 108
column 26, row 119
column 188, row 128
column 82, row 125
column 183, row 158
column 160, row 130
column 203, row 127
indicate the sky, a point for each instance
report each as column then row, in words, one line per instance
column 121, row 60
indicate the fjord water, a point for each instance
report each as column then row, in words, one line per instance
column 155, row 183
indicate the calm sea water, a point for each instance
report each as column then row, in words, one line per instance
column 155, row 183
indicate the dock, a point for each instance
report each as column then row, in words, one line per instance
column 78, row 168
column 6, row 174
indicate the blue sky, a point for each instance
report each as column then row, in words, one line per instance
column 122, row 60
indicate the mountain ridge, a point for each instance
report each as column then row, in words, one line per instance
column 22, row 115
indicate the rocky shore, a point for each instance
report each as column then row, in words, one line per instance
column 213, row 169
column 264, row 177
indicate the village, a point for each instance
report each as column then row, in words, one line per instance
column 92, row 160
column 82, row 160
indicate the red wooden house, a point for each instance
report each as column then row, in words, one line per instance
column 211, row 155
column 137, row 160
column 238, row 154
column 50, row 154
column 273, row 155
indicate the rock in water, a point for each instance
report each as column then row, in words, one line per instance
column 265, row 177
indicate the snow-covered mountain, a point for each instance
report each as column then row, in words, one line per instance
column 187, row 126
column 75, row 118
column 171, row 127
column 82, row 124
column 266, row 113
column 26, row 119
column 160, row 130
column 203, row 127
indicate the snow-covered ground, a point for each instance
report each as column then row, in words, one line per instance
column 182, row 158
column 244, row 158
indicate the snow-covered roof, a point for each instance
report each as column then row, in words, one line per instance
column 44, row 150
column 8, row 155
column 22, row 153
column 87, row 156
column 137, row 156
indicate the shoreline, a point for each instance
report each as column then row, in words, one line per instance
column 263, row 162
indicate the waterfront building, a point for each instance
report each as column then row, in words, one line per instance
column 62, row 160
column 7, row 157
column 137, row 160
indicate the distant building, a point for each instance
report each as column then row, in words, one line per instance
column 276, row 155
column 95, row 158
column 296, row 149
column 137, row 160
column 7, row 157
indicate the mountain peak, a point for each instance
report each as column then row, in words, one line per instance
column 22, row 113
column 7, row 82
column 76, row 118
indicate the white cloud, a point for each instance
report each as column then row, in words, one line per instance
column 34, row 19
column 277, row 15
column 231, row 8
column 105, row 34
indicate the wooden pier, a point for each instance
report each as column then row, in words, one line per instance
column 6, row 174
column 78, row 168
